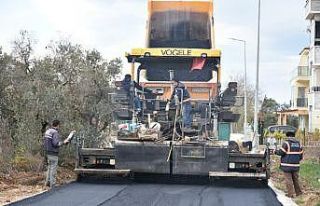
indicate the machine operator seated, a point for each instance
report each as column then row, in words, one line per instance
column 129, row 86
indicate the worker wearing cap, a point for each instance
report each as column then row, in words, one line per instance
column 291, row 154
column 182, row 93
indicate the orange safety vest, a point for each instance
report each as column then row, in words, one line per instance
column 293, row 155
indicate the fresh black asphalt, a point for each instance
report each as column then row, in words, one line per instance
column 157, row 193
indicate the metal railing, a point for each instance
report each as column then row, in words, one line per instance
column 302, row 102
column 304, row 71
column 301, row 71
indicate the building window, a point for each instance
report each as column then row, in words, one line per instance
column 317, row 34
column 317, row 101
column 301, row 92
column 317, row 77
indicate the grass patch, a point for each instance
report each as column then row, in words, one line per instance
column 300, row 201
column 310, row 172
column 309, row 175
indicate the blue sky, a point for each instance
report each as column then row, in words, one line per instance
column 115, row 26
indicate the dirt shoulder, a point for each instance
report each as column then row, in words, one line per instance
column 308, row 182
column 19, row 185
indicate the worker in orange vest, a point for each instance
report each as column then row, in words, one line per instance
column 291, row 153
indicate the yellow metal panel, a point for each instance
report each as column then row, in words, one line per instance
column 195, row 95
column 195, row 6
column 174, row 52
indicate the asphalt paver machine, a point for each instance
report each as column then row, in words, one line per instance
column 179, row 44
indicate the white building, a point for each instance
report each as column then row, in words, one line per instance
column 313, row 16
column 300, row 86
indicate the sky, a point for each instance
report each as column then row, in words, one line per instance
column 114, row 27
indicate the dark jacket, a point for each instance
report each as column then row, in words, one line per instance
column 291, row 154
column 52, row 141
column 127, row 83
column 178, row 90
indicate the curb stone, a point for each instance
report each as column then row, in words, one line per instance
column 283, row 199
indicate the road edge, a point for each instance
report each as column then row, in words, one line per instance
column 283, row 199
column 39, row 194
column 26, row 197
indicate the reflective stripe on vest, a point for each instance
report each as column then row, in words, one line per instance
column 291, row 159
column 288, row 146
column 291, row 153
column 301, row 152
column 283, row 150
column 289, row 150
column 290, row 165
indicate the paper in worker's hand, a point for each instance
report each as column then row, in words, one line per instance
column 69, row 138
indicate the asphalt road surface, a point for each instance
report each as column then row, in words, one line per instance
column 190, row 192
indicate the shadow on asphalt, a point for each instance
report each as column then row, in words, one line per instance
column 179, row 180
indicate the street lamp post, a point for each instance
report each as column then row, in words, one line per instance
column 256, row 139
column 245, row 121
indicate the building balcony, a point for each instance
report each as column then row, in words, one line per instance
column 301, row 74
column 315, row 55
column 302, row 102
column 312, row 7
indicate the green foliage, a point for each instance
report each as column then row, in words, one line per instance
column 70, row 83
column 238, row 126
column 269, row 105
column 27, row 162
column 316, row 135
column 293, row 121
column 276, row 134
column 310, row 171
column 269, row 109
column 299, row 134
column 21, row 163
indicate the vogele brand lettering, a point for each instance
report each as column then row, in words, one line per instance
column 176, row 52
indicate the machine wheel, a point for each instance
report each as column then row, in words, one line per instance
column 234, row 147
column 131, row 176
column 264, row 182
column 80, row 177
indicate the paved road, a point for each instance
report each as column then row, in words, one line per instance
column 221, row 193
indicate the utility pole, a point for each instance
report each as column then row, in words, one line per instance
column 245, row 85
column 256, row 99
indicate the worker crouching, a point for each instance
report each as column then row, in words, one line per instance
column 291, row 154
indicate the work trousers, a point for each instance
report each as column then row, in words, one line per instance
column 137, row 103
column 292, row 182
column 52, row 170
